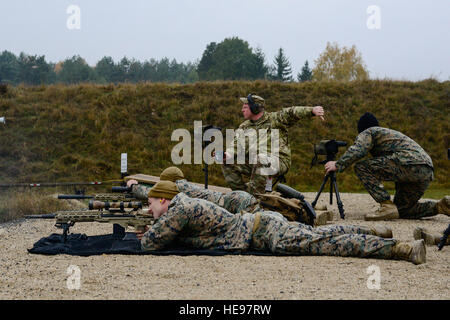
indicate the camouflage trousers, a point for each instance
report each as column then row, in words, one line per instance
column 234, row 176
column 281, row 237
column 411, row 181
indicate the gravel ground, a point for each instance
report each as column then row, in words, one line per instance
column 30, row 276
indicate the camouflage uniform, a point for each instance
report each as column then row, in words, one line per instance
column 140, row 191
column 234, row 201
column 200, row 224
column 280, row 120
column 398, row 158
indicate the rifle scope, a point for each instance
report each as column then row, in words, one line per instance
column 93, row 205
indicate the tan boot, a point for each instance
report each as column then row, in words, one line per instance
column 430, row 238
column 387, row 211
column 382, row 231
column 443, row 206
column 414, row 251
column 321, row 218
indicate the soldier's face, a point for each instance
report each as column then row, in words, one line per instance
column 246, row 112
column 157, row 207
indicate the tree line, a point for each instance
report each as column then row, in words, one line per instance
column 231, row 59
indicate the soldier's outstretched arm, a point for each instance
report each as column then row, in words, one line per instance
column 289, row 116
column 140, row 191
column 363, row 144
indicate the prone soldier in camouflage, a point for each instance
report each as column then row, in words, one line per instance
column 200, row 224
column 396, row 157
column 234, row 201
column 253, row 111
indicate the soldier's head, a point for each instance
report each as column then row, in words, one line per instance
column 367, row 121
column 171, row 174
column 253, row 107
column 159, row 197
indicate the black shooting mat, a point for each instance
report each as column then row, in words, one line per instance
column 82, row 245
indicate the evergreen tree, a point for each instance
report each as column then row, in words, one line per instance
column 34, row 70
column 9, row 68
column 207, row 61
column 135, row 71
column 123, row 69
column 107, row 70
column 231, row 59
column 76, row 70
column 261, row 69
column 306, row 74
column 149, row 70
column 281, row 71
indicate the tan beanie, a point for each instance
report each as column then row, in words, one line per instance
column 171, row 174
column 164, row 189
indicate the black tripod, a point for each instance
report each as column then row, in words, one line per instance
column 444, row 238
column 333, row 185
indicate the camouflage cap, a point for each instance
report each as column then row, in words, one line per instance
column 164, row 189
column 259, row 100
column 171, row 174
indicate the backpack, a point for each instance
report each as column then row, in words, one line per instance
column 291, row 208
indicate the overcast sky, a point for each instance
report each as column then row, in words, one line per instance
column 411, row 43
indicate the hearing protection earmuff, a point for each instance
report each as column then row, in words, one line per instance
column 255, row 108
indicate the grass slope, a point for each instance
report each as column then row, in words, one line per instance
column 75, row 133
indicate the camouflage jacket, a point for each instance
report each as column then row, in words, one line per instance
column 140, row 191
column 234, row 202
column 280, row 120
column 200, row 224
column 385, row 142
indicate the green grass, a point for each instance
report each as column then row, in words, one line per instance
column 436, row 193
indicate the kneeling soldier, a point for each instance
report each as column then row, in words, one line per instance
column 398, row 158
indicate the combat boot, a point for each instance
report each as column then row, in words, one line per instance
column 430, row 238
column 443, row 206
column 387, row 211
column 382, row 231
column 414, row 251
column 322, row 217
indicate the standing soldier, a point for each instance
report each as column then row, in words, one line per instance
column 398, row 158
column 200, row 224
column 257, row 119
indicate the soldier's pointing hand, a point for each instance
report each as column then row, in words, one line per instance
column 318, row 111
